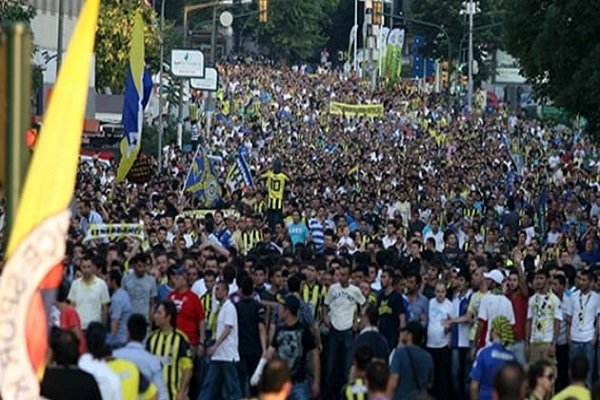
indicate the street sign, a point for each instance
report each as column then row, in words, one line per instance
column 209, row 83
column 187, row 63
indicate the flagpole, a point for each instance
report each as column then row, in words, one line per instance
column 355, row 35
column 18, row 85
column 160, row 85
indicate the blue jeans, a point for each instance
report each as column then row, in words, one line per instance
column 300, row 391
column 338, row 360
column 585, row 349
column 221, row 374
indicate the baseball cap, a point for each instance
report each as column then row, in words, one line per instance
column 495, row 275
column 291, row 302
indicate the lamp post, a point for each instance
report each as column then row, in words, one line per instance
column 470, row 8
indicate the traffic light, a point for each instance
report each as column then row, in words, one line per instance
column 465, row 81
column 31, row 138
column 445, row 76
column 263, row 5
column 377, row 12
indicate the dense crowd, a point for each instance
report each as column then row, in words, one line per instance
column 392, row 257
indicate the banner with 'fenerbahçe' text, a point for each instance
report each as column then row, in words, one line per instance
column 367, row 110
column 114, row 231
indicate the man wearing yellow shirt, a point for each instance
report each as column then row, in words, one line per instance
column 578, row 370
column 276, row 182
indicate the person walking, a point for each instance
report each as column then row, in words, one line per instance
column 411, row 369
column 342, row 302
column 438, row 340
column 171, row 346
column 224, row 353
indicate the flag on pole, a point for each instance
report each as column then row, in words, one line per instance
column 36, row 246
column 382, row 46
column 398, row 54
column 239, row 175
column 201, row 180
column 138, row 86
column 351, row 39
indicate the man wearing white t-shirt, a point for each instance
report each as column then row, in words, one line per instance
column 89, row 295
column 544, row 315
column 492, row 305
column 581, row 318
column 438, row 340
column 341, row 309
column 224, row 354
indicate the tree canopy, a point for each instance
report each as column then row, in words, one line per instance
column 113, row 37
column 295, row 29
column 487, row 28
column 15, row 11
column 556, row 44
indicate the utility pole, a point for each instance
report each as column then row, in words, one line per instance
column 59, row 40
column 470, row 8
column 160, row 84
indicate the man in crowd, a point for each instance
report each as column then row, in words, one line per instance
column 172, row 348
column 89, row 295
column 140, row 286
column 224, row 353
column 341, row 311
column 134, row 351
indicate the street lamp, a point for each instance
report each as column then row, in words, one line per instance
column 470, row 8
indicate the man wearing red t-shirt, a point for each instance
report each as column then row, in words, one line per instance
column 518, row 295
column 191, row 321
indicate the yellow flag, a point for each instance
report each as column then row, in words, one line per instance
column 37, row 241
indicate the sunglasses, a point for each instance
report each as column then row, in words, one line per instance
column 550, row 377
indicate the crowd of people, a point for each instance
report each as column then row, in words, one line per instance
column 396, row 256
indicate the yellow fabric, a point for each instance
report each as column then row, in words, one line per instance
column 129, row 375
column 129, row 152
column 573, row 392
column 174, row 351
column 275, row 188
column 369, row 110
column 50, row 181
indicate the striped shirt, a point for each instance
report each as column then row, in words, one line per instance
column 175, row 354
column 314, row 296
column 316, row 230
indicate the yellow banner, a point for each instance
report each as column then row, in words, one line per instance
column 368, row 110
column 114, row 231
column 197, row 214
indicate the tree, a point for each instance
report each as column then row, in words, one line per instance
column 556, row 44
column 487, row 31
column 15, row 11
column 113, row 41
column 294, row 30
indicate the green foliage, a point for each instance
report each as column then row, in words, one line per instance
column 556, row 43
column 487, row 28
column 15, row 11
column 113, row 41
column 295, row 29
column 342, row 19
